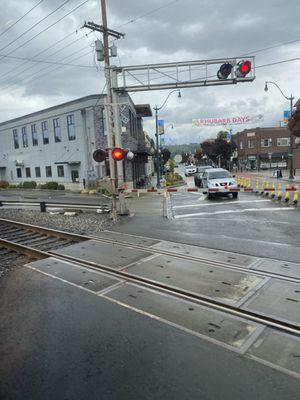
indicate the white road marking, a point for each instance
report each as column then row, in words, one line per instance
column 221, row 203
column 234, row 211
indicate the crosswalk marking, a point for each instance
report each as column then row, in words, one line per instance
column 220, row 203
column 234, row 211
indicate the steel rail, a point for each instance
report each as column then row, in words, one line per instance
column 79, row 238
column 288, row 327
column 50, row 204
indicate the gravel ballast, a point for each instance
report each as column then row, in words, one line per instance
column 83, row 223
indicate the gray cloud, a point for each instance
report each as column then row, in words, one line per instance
column 192, row 29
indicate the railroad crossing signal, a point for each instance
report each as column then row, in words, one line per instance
column 118, row 154
column 243, row 68
column 99, row 155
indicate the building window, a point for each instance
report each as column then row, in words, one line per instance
column 16, row 138
column 27, row 172
column 283, row 141
column 71, row 127
column 19, row 173
column 24, row 137
column 250, row 144
column 60, row 171
column 241, row 145
column 57, row 132
column 34, row 135
column 45, row 132
column 48, row 172
column 37, row 172
column 266, row 142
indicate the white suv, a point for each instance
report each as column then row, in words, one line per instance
column 219, row 178
column 190, row 170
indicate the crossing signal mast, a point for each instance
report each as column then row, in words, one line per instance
column 241, row 70
column 175, row 75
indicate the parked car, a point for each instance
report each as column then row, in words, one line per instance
column 219, row 178
column 199, row 174
column 190, row 170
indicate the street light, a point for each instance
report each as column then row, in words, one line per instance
column 157, row 134
column 291, row 98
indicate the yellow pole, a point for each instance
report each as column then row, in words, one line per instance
column 296, row 197
column 287, row 194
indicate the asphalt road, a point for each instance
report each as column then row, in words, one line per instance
column 251, row 224
column 61, row 340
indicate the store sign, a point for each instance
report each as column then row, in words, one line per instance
column 246, row 119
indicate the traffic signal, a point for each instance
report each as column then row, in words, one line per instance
column 99, row 155
column 118, row 154
column 224, row 71
column 243, row 68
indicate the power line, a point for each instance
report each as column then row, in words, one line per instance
column 18, row 20
column 52, row 54
column 41, row 52
column 48, row 27
column 148, row 13
column 34, row 25
column 28, row 78
column 44, row 61
column 278, row 62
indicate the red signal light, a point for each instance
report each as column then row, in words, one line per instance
column 118, row 154
column 244, row 67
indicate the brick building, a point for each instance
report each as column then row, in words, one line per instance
column 264, row 148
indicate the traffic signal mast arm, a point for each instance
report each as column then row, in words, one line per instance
column 187, row 74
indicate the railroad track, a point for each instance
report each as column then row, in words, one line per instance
column 16, row 236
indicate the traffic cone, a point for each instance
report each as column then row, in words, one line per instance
column 273, row 191
column 296, row 198
column 267, row 186
column 287, row 195
column 279, row 195
column 256, row 186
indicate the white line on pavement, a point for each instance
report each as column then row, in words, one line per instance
column 221, row 203
column 234, row 211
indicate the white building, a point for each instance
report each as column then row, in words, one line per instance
column 57, row 143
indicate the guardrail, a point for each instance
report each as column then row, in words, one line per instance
column 43, row 205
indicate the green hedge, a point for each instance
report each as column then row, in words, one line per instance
column 29, row 185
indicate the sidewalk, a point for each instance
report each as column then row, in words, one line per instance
column 267, row 176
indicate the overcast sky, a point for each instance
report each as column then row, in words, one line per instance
column 177, row 31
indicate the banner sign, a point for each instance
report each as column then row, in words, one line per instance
column 246, row 119
column 161, row 126
column 286, row 116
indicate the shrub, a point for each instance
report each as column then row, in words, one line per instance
column 61, row 187
column 4, row 185
column 29, row 185
column 12, row 186
column 50, row 186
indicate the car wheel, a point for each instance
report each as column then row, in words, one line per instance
column 235, row 195
column 210, row 196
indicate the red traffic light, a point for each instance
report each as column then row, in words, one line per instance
column 224, row 71
column 99, row 155
column 118, row 154
column 243, row 68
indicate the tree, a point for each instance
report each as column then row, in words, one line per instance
column 218, row 149
column 166, row 154
column 199, row 154
column 222, row 135
column 185, row 158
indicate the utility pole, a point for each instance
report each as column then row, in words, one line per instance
column 112, row 115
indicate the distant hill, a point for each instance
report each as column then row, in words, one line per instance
column 182, row 148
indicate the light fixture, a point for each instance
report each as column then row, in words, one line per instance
column 266, row 87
